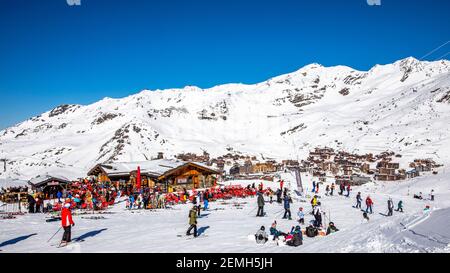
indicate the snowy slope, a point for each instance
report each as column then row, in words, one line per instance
column 228, row 227
column 404, row 107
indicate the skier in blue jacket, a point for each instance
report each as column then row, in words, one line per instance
column 287, row 206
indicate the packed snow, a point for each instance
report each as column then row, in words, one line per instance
column 228, row 226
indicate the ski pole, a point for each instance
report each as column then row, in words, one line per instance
column 54, row 234
column 252, row 211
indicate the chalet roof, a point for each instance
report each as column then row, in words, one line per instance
column 154, row 168
column 43, row 179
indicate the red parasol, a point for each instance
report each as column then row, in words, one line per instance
column 138, row 178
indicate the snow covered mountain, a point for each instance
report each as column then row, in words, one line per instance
column 403, row 107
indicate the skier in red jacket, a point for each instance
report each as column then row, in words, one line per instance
column 369, row 204
column 67, row 223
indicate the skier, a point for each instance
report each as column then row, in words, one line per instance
column 59, row 196
column 301, row 216
column 432, row 195
column 261, row 236
column 318, row 215
column 331, row 228
column 341, row 188
column 369, row 204
column 327, row 190
column 390, row 204
column 314, row 187
column 67, row 223
column 206, row 200
column 332, row 189
column 281, row 184
column 287, row 208
column 192, row 221
column 261, row 202
column 314, row 201
column 348, row 190
column 317, row 188
column 297, row 237
column 358, row 200
column 278, row 193
column 400, row 206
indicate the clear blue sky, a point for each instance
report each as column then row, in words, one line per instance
column 52, row 53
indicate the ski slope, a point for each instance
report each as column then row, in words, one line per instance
column 227, row 227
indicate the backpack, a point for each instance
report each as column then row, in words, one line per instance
column 311, row 232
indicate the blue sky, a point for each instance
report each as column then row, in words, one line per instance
column 52, row 53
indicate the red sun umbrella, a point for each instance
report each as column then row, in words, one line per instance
column 138, row 178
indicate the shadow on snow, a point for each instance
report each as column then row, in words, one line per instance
column 202, row 230
column 89, row 234
column 16, row 240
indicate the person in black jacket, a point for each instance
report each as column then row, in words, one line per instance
column 311, row 231
column 287, row 207
column 31, row 203
column 331, row 228
column 261, row 203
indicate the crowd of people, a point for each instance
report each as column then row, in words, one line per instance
column 295, row 236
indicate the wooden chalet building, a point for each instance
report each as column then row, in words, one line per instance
column 169, row 174
column 387, row 171
column 49, row 184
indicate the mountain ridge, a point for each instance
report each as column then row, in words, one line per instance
column 283, row 117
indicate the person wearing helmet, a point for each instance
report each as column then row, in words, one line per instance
column 261, row 236
column 331, row 228
column 297, row 237
column 67, row 223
